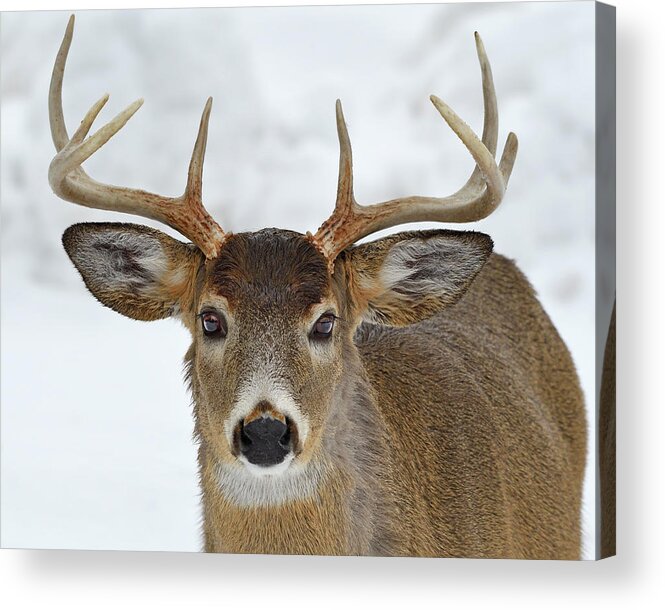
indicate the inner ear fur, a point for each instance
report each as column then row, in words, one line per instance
column 410, row 276
column 135, row 270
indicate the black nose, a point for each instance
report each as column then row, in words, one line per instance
column 265, row 441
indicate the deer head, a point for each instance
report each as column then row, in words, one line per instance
column 273, row 313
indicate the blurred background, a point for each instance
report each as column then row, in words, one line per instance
column 96, row 422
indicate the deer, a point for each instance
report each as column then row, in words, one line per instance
column 607, row 443
column 407, row 396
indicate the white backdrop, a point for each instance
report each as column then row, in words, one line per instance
column 96, row 424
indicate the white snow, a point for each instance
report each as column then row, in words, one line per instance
column 96, row 423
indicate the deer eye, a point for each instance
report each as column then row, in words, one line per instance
column 213, row 324
column 323, row 327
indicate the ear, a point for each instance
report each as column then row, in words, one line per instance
column 137, row 271
column 410, row 276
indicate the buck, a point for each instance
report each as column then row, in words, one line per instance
column 607, row 444
column 406, row 396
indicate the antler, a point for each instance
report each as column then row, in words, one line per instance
column 185, row 214
column 478, row 198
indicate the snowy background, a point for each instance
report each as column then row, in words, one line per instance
column 96, row 424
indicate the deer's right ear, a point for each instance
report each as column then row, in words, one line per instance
column 407, row 277
column 137, row 271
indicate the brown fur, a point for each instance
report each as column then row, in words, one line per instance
column 264, row 408
column 607, row 445
column 499, row 454
column 258, row 266
column 457, row 431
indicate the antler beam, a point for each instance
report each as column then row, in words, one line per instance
column 478, row 198
column 185, row 214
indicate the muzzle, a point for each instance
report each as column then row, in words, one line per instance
column 265, row 437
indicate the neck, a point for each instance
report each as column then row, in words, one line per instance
column 334, row 504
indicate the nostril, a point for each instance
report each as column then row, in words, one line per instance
column 285, row 441
column 245, row 440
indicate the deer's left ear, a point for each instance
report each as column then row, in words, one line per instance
column 410, row 276
column 137, row 271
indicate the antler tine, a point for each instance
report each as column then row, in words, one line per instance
column 478, row 198
column 345, row 198
column 185, row 214
column 490, row 110
column 56, row 115
column 195, row 173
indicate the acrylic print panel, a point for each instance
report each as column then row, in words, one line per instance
column 98, row 451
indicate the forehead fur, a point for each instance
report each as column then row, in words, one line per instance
column 272, row 264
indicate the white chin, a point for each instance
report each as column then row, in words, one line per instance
column 267, row 471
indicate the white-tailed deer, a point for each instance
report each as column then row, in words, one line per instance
column 607, row 444
column 407, row 396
